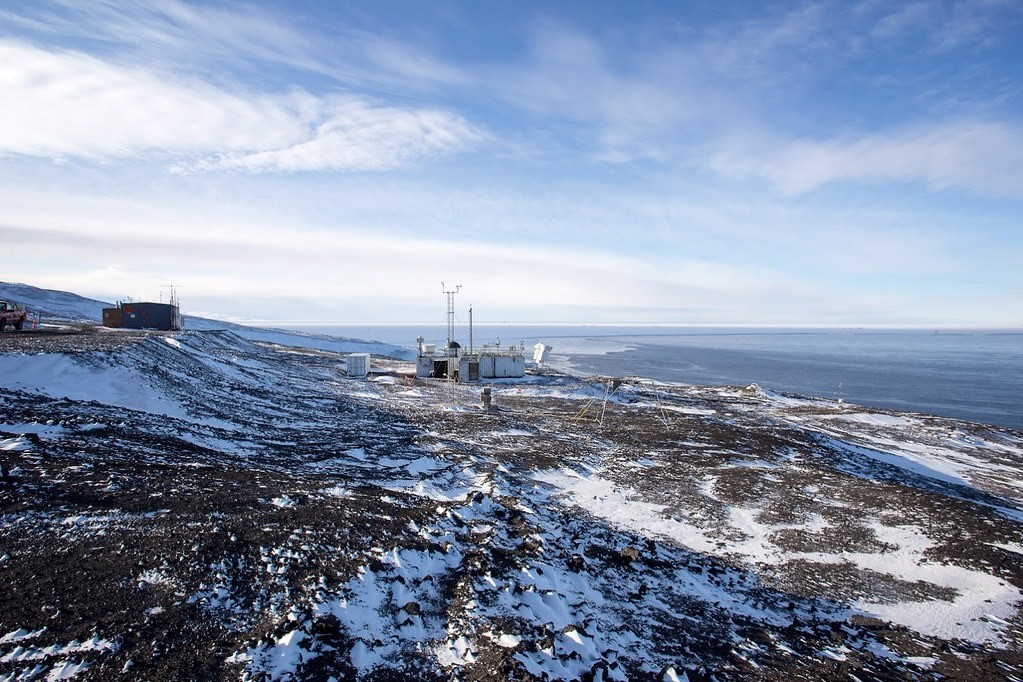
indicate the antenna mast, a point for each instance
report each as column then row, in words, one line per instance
column 451, row 312
column 173, row 293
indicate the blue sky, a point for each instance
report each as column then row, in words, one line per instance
column 800, row 163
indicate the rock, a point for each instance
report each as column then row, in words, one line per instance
column 629, row 554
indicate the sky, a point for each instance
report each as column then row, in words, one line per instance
column 728, row 163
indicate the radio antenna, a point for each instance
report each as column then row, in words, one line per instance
column 451, row 312
column 173, row 293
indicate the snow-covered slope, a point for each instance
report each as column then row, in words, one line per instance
column 47, row 303
column 61, row 307
column 206, row 506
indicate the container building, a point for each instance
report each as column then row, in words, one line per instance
column 160, row 316
column 491, row 362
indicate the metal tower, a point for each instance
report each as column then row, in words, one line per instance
column 451, row 313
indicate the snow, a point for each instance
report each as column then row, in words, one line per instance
column 511, row 433
column 671, row 676
column 44, row 431
column 16, row 444
column 303, row 341
column 371, row 596
column 59, row 376
column 53, row 304
column 337, row 491
column 976, row 613
column 922, row 463
column 506, row 640
column 20, row 634
column 1016, row 548
column 154, row 577
column 66, row 670
column 57, row 661
column 693, row 497
column 625, row 508
column 425, row 465
column 279, row 661
column 877, row 419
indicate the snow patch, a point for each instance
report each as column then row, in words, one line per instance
column 976, row 613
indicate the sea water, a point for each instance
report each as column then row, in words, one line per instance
column 975, row 375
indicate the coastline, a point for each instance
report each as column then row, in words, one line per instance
column 962, row 373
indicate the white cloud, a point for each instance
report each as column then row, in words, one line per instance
column 356, row 136
column 981, row 157
column 133, row 246
column 255, row 40
column 209, row 87
column 905, row 19
column 631, row 104
column 402, row 62
column 68, row 104
column 179, row 31
column 263, row 256
column 755, row 48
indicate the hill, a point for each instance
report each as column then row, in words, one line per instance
column 62, row 308
column 202, row 505
column 47, row 303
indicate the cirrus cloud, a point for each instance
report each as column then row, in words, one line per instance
column 358, row 136
column 985, row 157
column 61, row 104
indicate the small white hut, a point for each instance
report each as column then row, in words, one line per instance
column 358, row 364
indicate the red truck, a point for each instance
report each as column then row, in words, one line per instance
column 12, row 313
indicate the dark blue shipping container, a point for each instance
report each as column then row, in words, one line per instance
column 161, row 316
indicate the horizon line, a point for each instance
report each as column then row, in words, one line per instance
column 677, row 325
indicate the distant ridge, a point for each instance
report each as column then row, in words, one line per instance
column 63, row 306
column 48, row 303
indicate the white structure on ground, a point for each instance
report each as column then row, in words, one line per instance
column 430, row 364
column 540, row 352
column 491, row 362
column 358, row 364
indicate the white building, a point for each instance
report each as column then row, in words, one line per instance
column 489, row 365
column 492, row 362
column 433, row 364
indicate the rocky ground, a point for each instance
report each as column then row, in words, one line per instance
column 201, row 506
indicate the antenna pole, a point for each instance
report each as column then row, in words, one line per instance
column 451, row 311
column 173, row 294
column 451, row 351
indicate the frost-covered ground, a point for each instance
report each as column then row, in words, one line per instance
column 204, row 505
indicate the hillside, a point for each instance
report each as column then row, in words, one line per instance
column 60, row 305
column 61, row 309
column 204, row 505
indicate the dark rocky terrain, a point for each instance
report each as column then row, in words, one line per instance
column 203, row 506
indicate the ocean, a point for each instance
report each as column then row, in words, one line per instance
column 974, row 375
